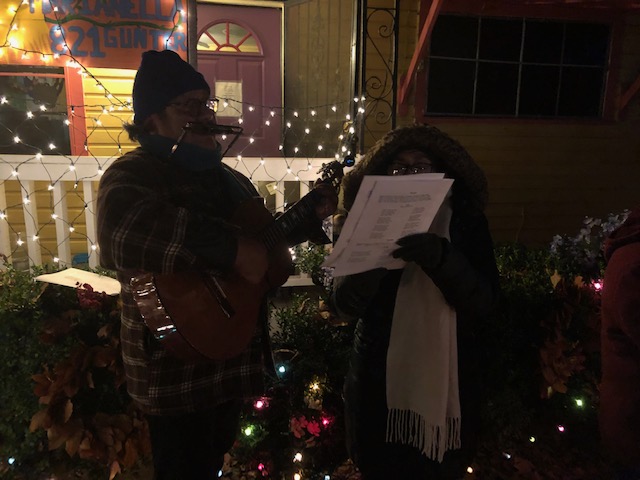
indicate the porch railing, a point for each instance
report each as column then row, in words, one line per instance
column 63, row 173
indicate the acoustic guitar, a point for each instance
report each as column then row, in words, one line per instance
column 197, row 315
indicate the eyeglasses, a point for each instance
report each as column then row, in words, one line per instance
column 410, row 170
column 194, row 106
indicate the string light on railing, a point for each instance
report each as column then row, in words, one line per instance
column 71, row 228
column 50, row 187
column 94, row 247
column 56, row 259
column 72, row 167
column 52, row 146
column 16, row 139
column 14, row 173
column 3, row 215
column 54, row 216
column 26, row 200
column 19, row 241
column 29, row 114
column 35, row 238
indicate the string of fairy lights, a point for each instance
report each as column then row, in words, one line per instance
column 39, row 121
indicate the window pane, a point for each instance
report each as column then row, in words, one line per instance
column 454, row 37
column 450, row 86
column 521, row 68
column 228, row 37
column 539, row 90
column 580, row 92
column 44, row 97
column 542, row 42
column 500, row 39
column 586, row 44
column 497, row 89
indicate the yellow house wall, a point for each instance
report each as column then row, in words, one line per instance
column 108, row 138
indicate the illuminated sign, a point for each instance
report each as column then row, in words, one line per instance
column 94, row 33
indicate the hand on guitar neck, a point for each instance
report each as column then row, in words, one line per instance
column 251, row 261
column 327, row 199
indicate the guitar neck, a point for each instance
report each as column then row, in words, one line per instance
column 286, row 223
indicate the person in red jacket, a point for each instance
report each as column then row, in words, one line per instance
column 619, row 392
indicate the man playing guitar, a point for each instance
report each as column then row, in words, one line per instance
column 167, row 208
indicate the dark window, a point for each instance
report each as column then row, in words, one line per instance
column 516, row 67
column 33, row 110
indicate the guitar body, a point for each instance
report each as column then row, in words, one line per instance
column 185, row 310
column 198, row 316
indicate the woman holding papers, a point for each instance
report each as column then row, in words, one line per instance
column 413, row 391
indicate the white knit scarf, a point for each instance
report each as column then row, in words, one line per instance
column 422, row 362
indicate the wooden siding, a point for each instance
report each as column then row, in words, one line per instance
column 543, row 180
column 317, row 67
column 106, row 139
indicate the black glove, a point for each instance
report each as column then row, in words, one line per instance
column 425, row 249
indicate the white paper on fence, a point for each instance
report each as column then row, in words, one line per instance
column 74, row 277
column 386, row 208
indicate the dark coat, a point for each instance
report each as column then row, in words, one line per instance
column 619, row 391
column 468, row 279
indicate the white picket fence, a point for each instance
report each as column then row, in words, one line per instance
column 60, row 171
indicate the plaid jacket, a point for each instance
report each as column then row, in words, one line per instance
column 149, row 214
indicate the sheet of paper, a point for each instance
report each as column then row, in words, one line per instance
column 386, row 208
column 71, row 277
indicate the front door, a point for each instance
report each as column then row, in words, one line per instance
column 239, row 55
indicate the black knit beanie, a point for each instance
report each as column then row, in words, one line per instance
column 162, row 76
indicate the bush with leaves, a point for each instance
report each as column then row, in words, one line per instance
column 63, row 345
column 301, row 412
column 583, row 254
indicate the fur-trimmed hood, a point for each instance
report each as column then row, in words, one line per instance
column 470, row 184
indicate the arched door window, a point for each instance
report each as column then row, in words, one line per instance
column 228, row 37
